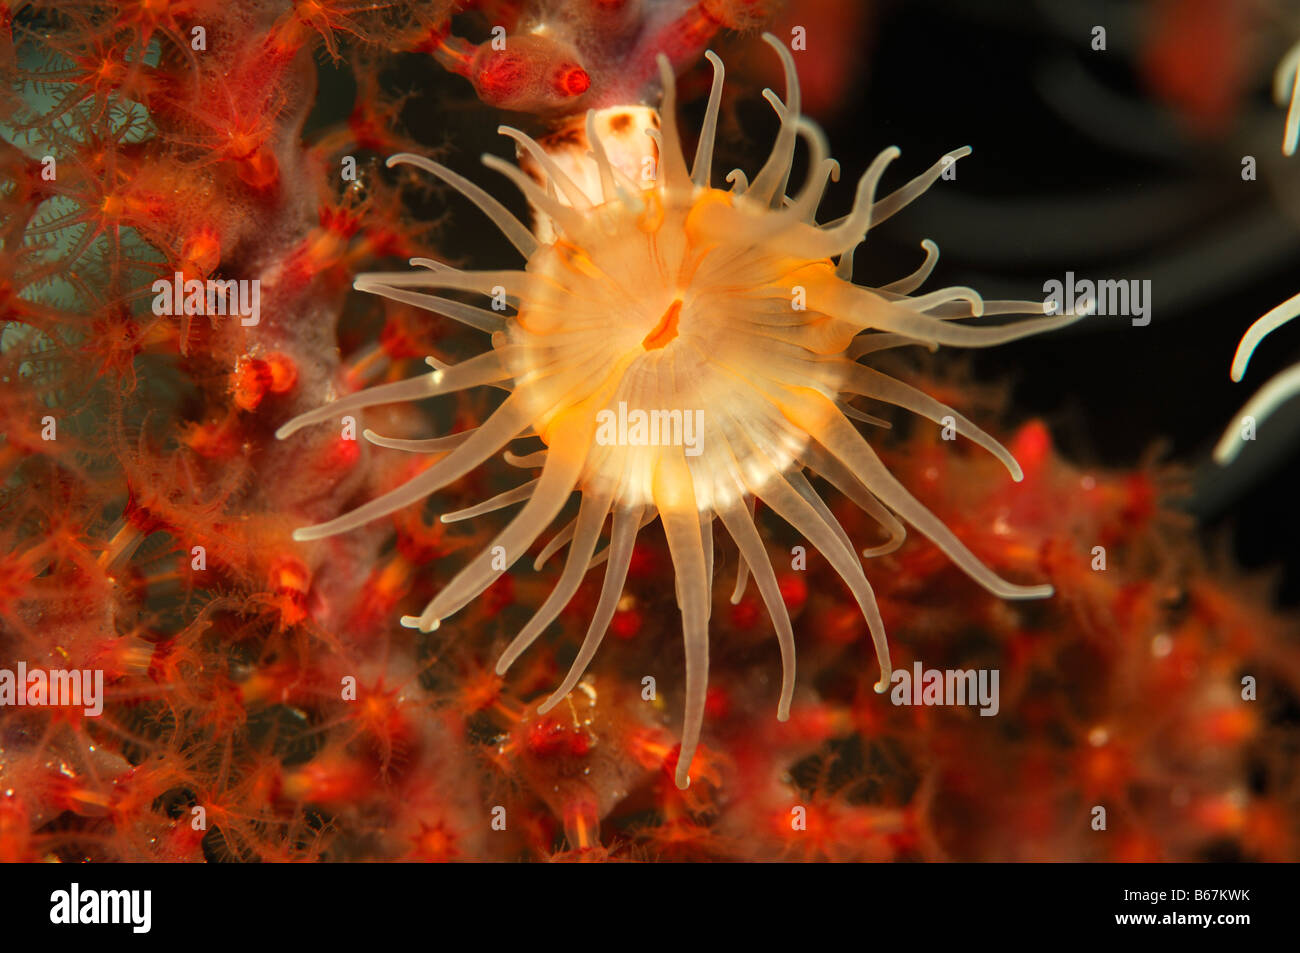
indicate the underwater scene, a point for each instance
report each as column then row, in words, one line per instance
column 649, row 430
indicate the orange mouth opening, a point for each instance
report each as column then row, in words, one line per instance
column 666, row 329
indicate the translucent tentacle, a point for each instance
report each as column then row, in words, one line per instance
column 498, row 502
column 838, row 238
column 842, row 478
column 481, row 369
column 514, row 283
column 706, row 537
column 563, row 216
column 796, row 511
column 863, row 418
column 675, row 499
column 505, row 422
column 701, row 169
column 476, row 318
column 1265, row 326
column 1271, row 396
column 608, row 189
column 528, row 461
column 1286, row 83
column 895, row 202
column 800, row 483
column 871, row 383
column 769, row 185
column 840, row 438
column 868, row 310
column 577, row 198
column 558, row 542
column 906, row 286
column 823, row 171
column 558, row 480
column 427, row 445
column 874, row 341
column 844, row 267
column 591, row 517
column 740, row 524
column 627, row 522
column 501, row 216
column 672, row 162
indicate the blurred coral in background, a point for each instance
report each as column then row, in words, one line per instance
column 263, row 701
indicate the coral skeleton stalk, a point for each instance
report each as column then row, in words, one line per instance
column 668, row 296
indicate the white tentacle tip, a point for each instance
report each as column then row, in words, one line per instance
column 1229, row 448
column 418, row 622
column 1044, row 591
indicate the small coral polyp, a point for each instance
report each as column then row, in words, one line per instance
column 679, row 297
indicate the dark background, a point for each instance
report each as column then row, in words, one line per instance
column 1078, row 166
column 1101, row 178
